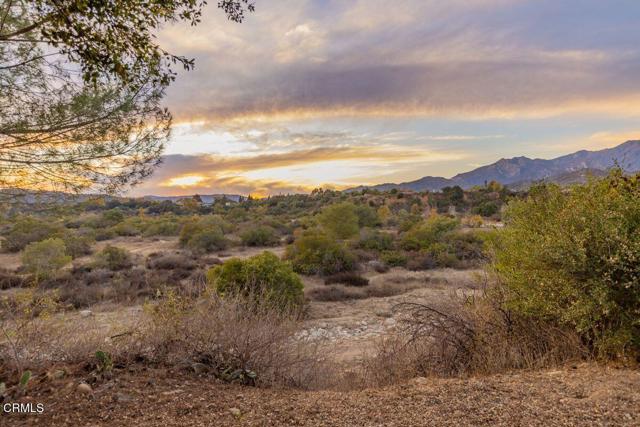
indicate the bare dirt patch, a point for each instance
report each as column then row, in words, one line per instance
column 583, row 395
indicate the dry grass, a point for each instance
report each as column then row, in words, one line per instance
column 234, row 339
column 231, row 339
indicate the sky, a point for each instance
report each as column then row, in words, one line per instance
column 334, row 94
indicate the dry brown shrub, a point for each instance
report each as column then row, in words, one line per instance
column 36, row 335
column 333, row 293
column 467, row 337
column 235, row 339
column 345, row 293
column 232, row 339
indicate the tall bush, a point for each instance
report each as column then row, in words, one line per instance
column 45, row 257
column 262, row 276
column 340, row 220
column 574, row 257
column 315, row 253
column 206, row 234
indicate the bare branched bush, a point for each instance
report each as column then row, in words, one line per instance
column 468, row 336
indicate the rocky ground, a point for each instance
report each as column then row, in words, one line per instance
column 582, row 395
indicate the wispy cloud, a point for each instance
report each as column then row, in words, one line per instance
column 299, row 170
column 317, row 92
column 477, row 59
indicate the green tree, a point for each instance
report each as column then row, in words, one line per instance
column 80, row 89
column 45, row 257
column 384, row 213
column 340, row 220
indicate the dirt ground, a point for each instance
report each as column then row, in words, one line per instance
column 584, row 395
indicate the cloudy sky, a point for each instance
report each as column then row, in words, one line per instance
column 309, row 93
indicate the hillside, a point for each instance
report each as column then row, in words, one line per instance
column 518, row 172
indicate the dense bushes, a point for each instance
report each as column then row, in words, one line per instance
column 468, row 337
column 26, row 230
column 262, row 276
column 205, row 234
column 113, row 258
column 375, row 240
column 261, row 235
column 431, row 231
column 573, row 257
column 167, row 225
column 315, row 253
column 439, row 242
column 77, row 244
column 45, row 257
column 340, row 220
column 394, row 258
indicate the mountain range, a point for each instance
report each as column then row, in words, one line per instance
column 520, row 172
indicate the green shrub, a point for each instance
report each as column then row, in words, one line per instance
column 572, row 257
column 205, row 234
column 394, row 258
column 208, row 240
column 26, row 230
column 374, row 240
column 102, row 234
column 426, row 233
column 131, row 226
column 77, row 244
column 113, row 258
column 486, row 209
column 45, row 257
column 340, row 220
column 164, row 226
column 110, row 218
column 262, row 276
column 367, row 216
column 315, row 253
column 260, row 236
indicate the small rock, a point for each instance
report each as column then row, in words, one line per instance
column 86, row 313
column 235, row 412
column 84, row 388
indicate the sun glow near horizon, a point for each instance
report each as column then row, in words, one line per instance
column 308, row 93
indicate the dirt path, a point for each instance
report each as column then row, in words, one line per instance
column 585, row 396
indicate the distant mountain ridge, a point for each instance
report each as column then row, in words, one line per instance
column 207, row 199
column 522, row 171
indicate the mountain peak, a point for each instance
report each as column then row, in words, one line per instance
column 522, row 169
